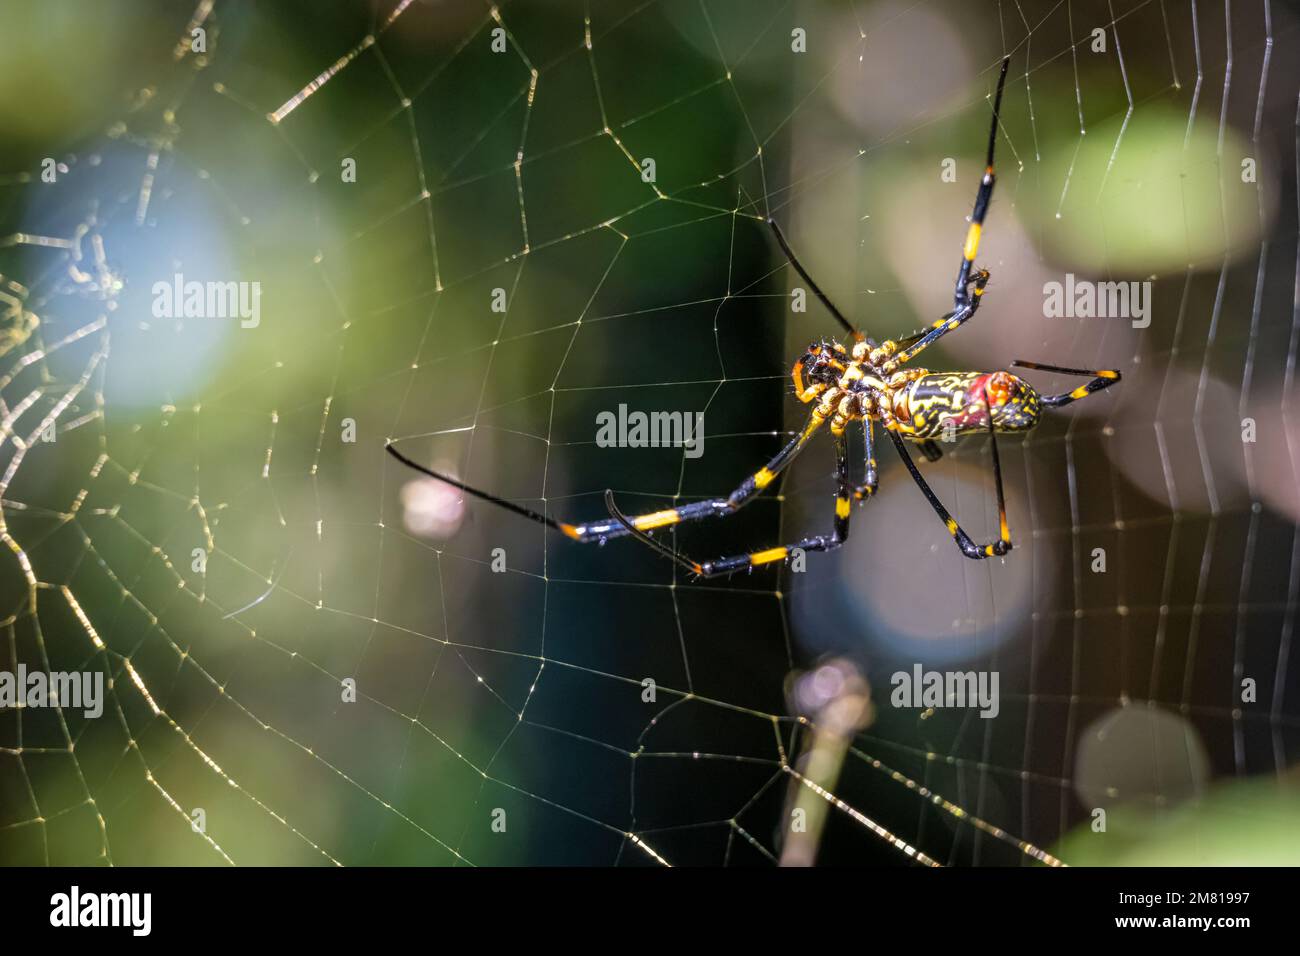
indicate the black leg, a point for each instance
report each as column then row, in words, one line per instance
column 964, row 542
column 798, row 267
column 710, row 569
column 961, row 295
column 1104, row 379
column 909, row 347
column 970, row 285
column 870, row 478
column 604, row 530
column 930, row 449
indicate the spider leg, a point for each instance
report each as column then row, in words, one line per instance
column 964, row 542
column 870, row 480
column 603, row 530
column 930, row 449
column 728, row 565
column 520, row 510
column 798, row 267
column 966, row 301
column 911, row 346
column 710, row 507
column 1104, row 379
column 961, row 295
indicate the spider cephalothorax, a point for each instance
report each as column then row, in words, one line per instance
column 850, row 384
column 867, row 383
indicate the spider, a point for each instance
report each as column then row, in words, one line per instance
column 867, row 383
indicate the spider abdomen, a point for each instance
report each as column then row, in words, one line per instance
column 943, row 404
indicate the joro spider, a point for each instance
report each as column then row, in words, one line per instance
column 866, row 383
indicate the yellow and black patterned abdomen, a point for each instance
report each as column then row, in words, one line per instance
column 947, row 404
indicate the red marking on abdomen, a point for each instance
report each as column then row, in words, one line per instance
column 975, row 408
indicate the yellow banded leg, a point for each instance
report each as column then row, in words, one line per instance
column 708, row 508
column 922, row 340
column 1103, row 378
column 964, row 542
column 870, row 477
column 739, row 562
column 961, row 294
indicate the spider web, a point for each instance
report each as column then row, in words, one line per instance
column 215, row 527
